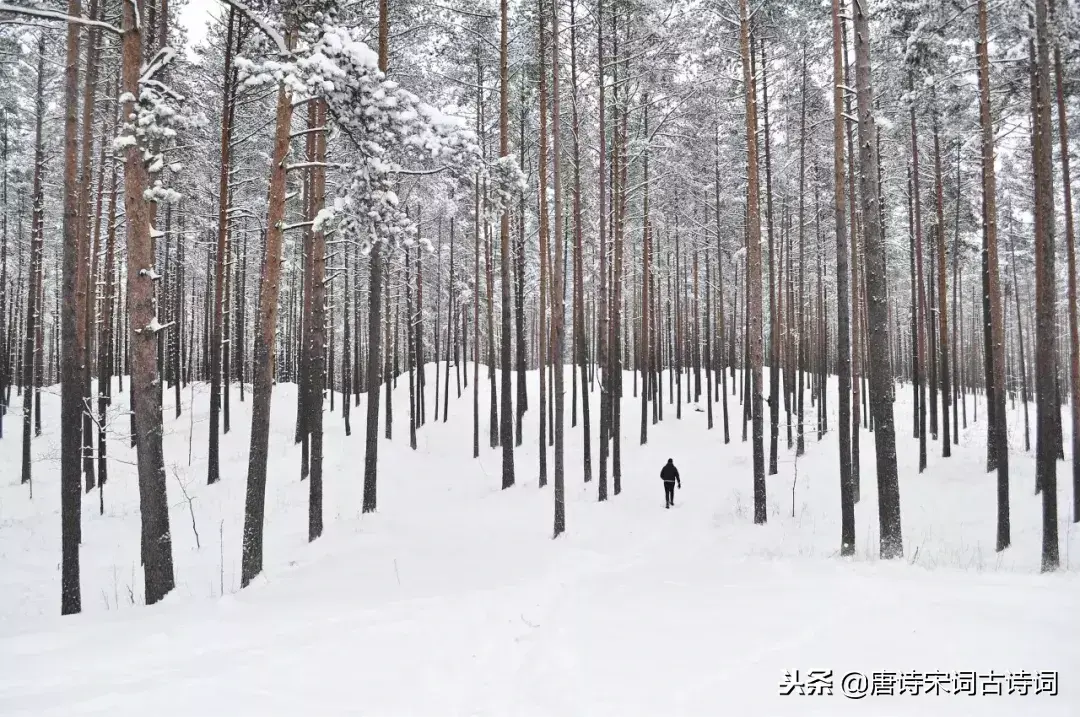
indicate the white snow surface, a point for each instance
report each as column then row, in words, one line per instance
column 454, row 600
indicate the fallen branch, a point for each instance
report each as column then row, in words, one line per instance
column 191, row 509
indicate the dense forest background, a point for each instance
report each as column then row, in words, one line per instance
column 722, row 202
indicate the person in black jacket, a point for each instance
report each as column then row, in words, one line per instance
column 670, row 475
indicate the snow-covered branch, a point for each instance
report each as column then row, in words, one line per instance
column 267, row 30
column 54, row 15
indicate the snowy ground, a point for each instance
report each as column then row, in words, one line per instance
column 453, row 599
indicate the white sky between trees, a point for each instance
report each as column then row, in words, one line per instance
column 195, row 16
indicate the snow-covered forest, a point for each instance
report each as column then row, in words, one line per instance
column 320, row 320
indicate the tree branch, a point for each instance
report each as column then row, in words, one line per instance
column 53, row 15
column 270, row 32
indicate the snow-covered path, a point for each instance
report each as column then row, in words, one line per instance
column 453, row 599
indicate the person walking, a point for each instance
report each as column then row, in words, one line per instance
column 670, row 475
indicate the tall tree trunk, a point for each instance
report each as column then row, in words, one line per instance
column 942, row 298
column 410, row 354
column 800, row 439
column 753, row 240
column 375, row 320
column 619, row 167
column 843, row 347
column 519, row 288
column 958, row 314
column 542, row 329
column 83, row 288
column 317, row 329
column 603, row 329
column 774, row 325
column 105, row 341
column 70, row 370
column 853, row 254
column 1047, row 406
column 1020, row 356
column 922, row 314
column 263, row 369
column 142, row 304
column 1070, row 238
column 450, row 326
column 580, row 351
column 506, row 429
column 646, row 249
column 418, row 334
column 558, row 306
column 476, row 268
column 33, row 308
column 720, row 296
column 5, row 320
column 299, row 338
column 212, row 461
column 998, row 436
column 489, row 283
column 932, row 356
column 347, row 377
column 881, row 378
column 708, row 342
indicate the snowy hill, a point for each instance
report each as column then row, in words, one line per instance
column 454, row 600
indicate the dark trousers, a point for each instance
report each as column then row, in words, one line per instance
column 669, row 493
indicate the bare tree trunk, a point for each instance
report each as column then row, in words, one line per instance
column 774, row 326
column 476, row 272
column 1020, row 356
column 998, row 437
column 602, row 319
column 646, row 238
column 142, row 304
column 843, row 347
column 5, row 320
column 70, row 374
column 298, row 341
column 958, row 313
column 105, row 341
column 83, row 281
column 418, row 335
column 881, row 378
column 506, row 429
column 33, row 306
column 263, row 369
column 450, row 325
column 410, row 355
column 212, row 460
column 317, row 329
column 708, row 342
column 720, row 297
column 922, row 321
column 580, row 350
column 1047, row 407
column 619, row 166
column 1070, row 238
column 853, row 261
column 942, row 308
column 347, row 377
column 800, row 439
column 375, row 319
column 753, row 241
column 489, row 283
column 543, row 290
column 519, row 289
column 558, row 307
